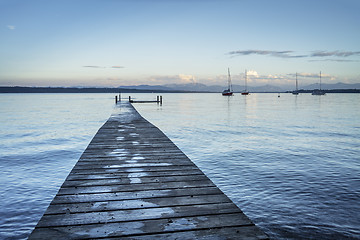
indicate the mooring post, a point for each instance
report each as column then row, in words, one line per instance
column 119, row 97
column 160, row 99
column 116, row 99
column 157, row 98
column 129, row 98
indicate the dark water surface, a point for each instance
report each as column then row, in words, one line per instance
column 292, row 164
column 42, row 137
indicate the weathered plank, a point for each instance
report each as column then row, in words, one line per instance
column 138, row 214
column 131, row 179
column 135, row 186
column 132, row 182
column 130, row 164
column 195, row 227
column 133, row 169
column 132, row 160
column 91, row 176
column 100, row 197
column 169, row 201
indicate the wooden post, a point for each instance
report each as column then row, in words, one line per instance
column 116, row 99
column 119, row 97
column 160, row 99
column 129, row 98
column 157, row 98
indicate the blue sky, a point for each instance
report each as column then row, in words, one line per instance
column 115, row 43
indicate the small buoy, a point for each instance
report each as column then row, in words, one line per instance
column 279, row 95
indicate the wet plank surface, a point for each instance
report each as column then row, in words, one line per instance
column 132, row 182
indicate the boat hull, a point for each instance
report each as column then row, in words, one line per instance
column 318, row 92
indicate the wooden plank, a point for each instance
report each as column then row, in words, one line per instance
column 136, row 204
column 182, row 226
column 126, row 160
column 132, row 169
column 74, row 177
column 131, row 164
column 100, row 197
column 135, row 187
column 90, row 218
column 121, row 141
column 132, row 182
column 226, row 232
column 128, row 155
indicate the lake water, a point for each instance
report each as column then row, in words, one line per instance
column 291, row 163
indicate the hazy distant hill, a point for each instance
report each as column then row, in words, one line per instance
column 190, row 87
column 332, row 86
column 77, row 90
column 199, row 87
column 148, row 87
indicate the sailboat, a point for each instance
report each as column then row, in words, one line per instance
column 318, row 91
column 246, row 92
column 296, row 92
column 228, row 92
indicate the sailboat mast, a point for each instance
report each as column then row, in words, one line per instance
column 245, row 80
column 296, row 83
column 320, row 80
column 229, row 79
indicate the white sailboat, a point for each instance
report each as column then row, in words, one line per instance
column 296, row 92
column 246, row 92
column 228, row 92
column 318, row 91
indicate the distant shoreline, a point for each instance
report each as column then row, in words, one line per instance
column 330, row 91
column 129, row 90
column 79, row 90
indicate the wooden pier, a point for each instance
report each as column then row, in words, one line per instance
column 133, row 182
column 158, row 100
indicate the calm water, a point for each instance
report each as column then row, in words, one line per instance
column 292, row 164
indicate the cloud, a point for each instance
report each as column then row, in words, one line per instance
column 171, row 79
column 255, row 79
column 280, row 54
column 252, row 73
column 333, row 60
column 258, row 80
column 334, row 54
column 291, row 54
column 11, row 27
column 93, row 67
column 309, row 75
column 186, row 78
